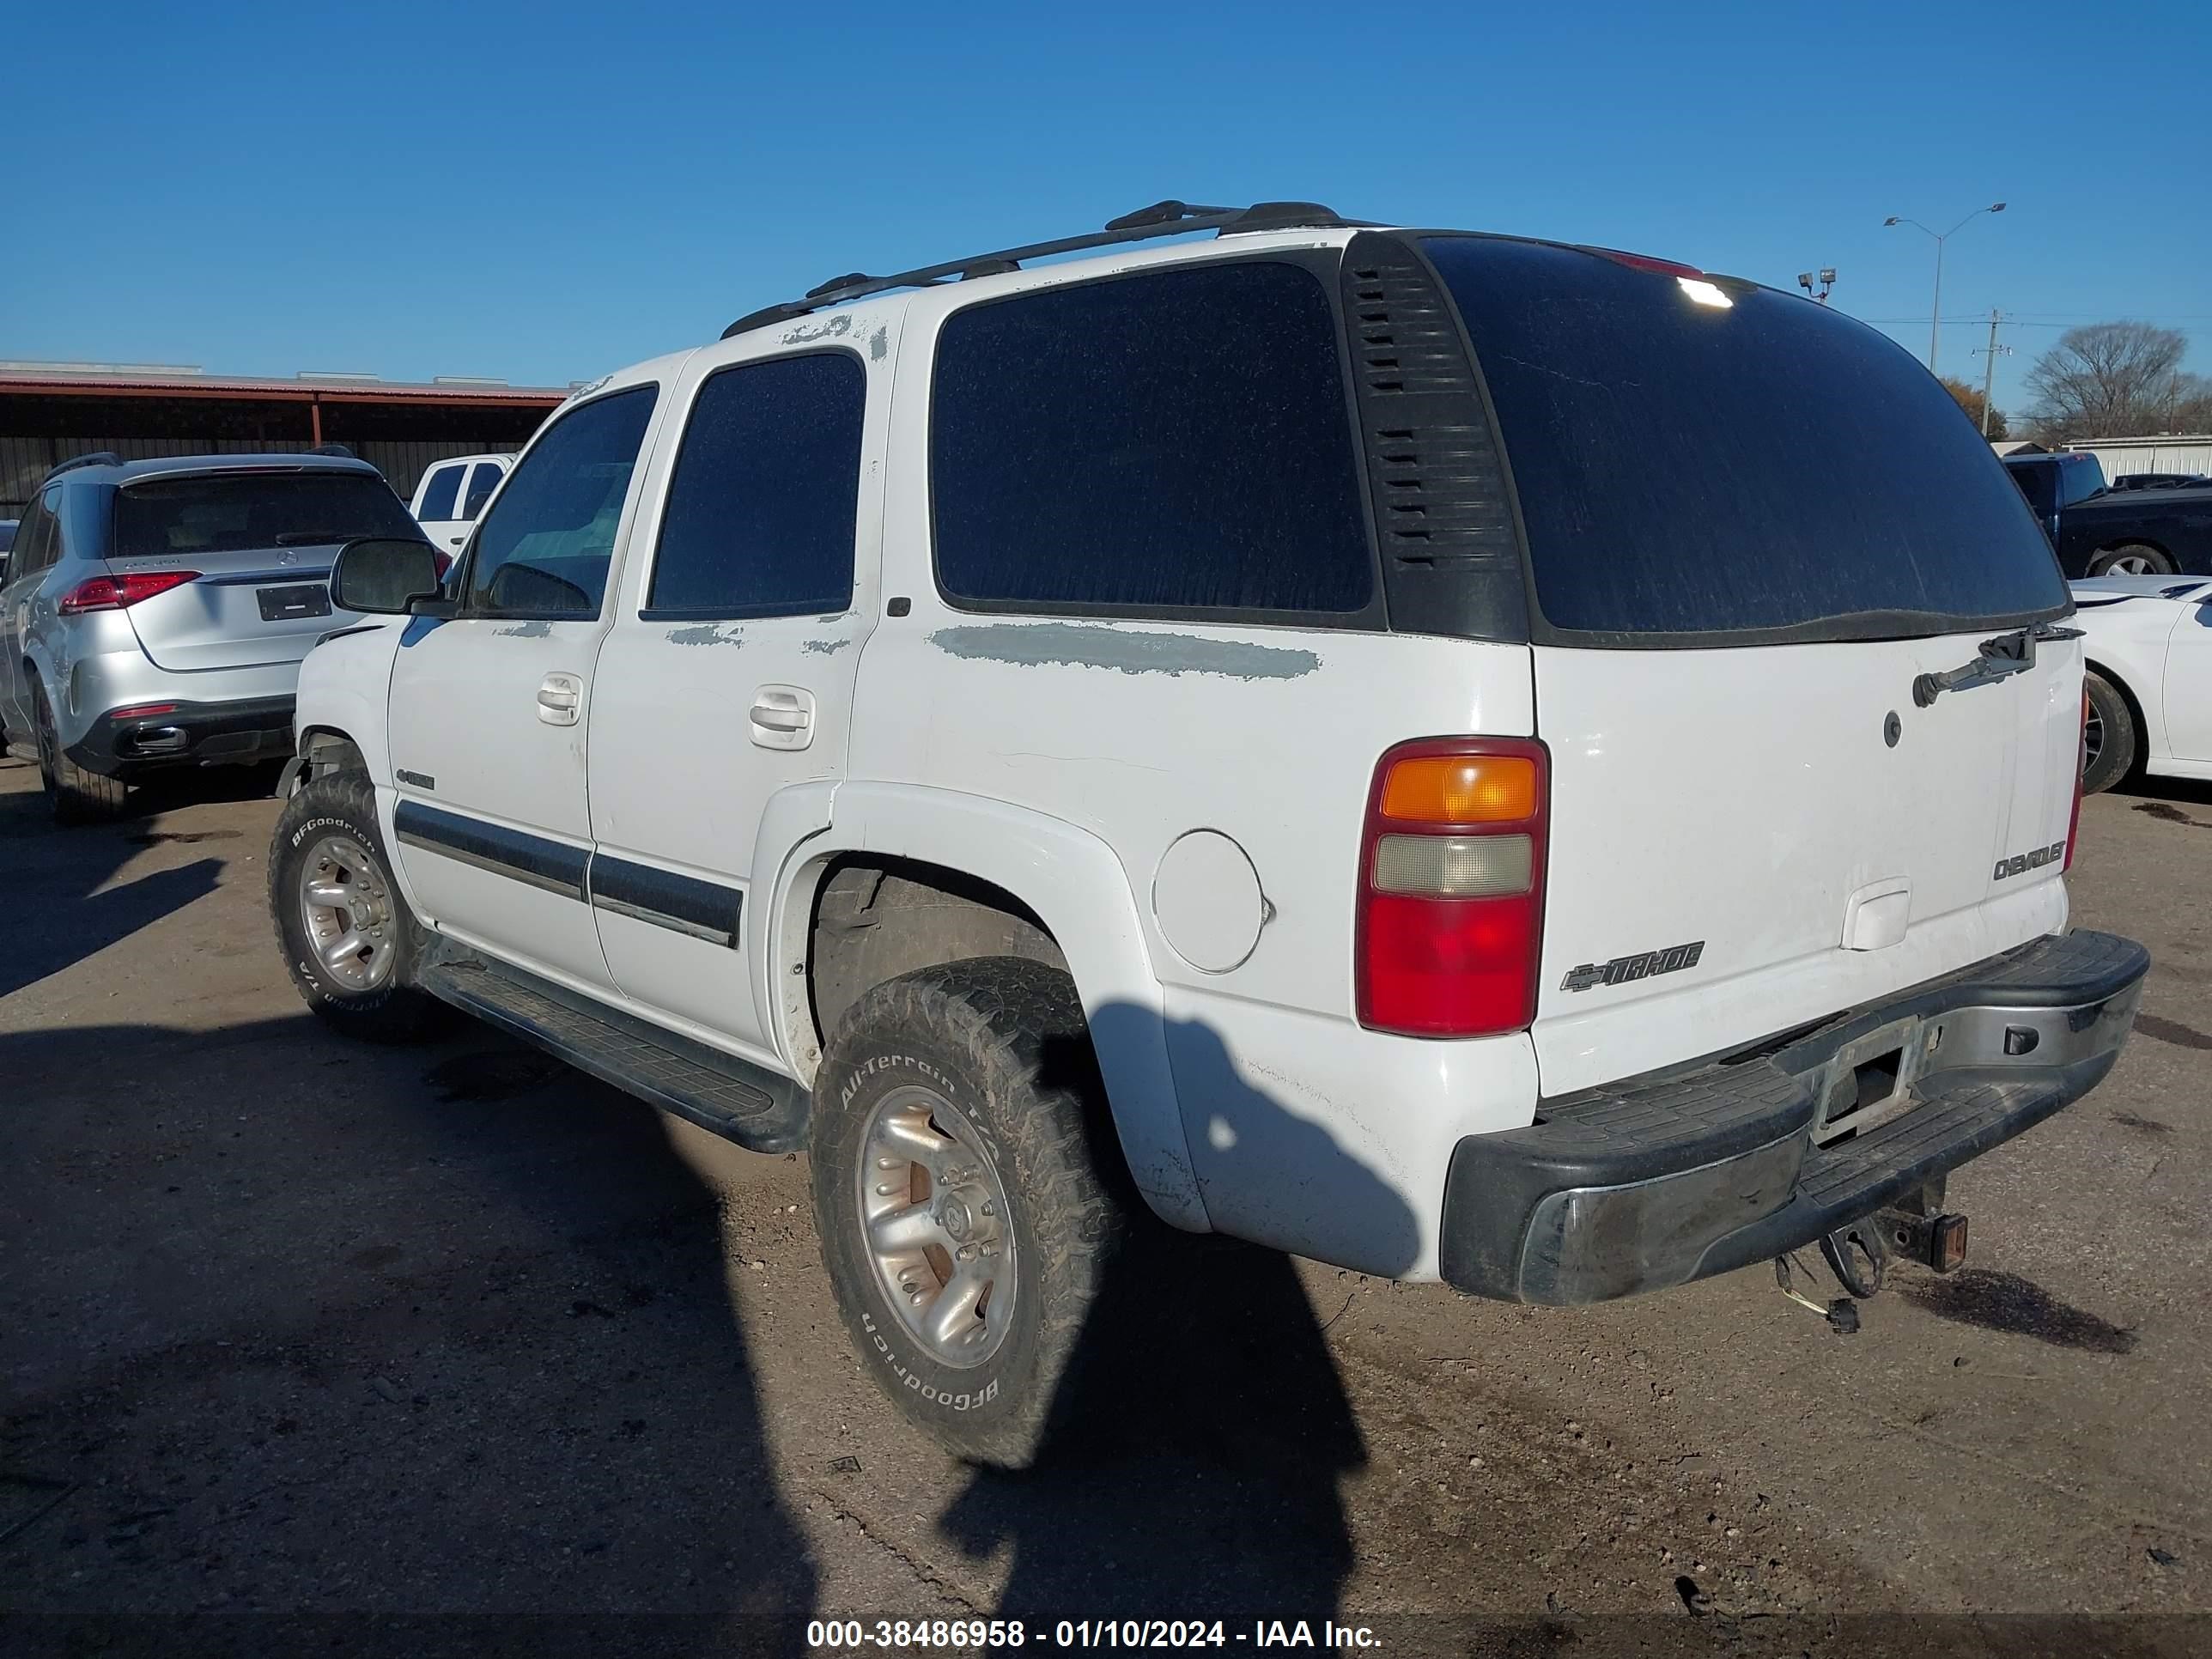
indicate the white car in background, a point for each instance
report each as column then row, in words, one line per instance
column 2148, row 677
column 449, row 496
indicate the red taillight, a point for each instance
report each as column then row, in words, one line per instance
column 2081, row 770
column 114, row 592
column 139, row 711
column 1451, row 887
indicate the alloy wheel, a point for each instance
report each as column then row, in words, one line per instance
column 936, row 1226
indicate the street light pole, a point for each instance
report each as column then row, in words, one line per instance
column 1936, row 316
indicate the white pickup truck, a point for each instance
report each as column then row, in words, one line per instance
column 1456, row 755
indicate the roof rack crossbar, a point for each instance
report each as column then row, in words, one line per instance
column 1168, row 218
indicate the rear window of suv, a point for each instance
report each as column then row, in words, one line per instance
column 1767, row 468
column 229, row 512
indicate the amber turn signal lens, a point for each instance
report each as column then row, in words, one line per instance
column 1460, row 789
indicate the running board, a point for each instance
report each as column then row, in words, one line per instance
column 721, row 1093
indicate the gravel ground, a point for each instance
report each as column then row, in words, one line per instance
column 306, row 1346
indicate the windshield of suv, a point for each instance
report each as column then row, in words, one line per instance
column 228, row 512
column 1732, row 466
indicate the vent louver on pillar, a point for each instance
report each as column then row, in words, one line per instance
column 1451, row 562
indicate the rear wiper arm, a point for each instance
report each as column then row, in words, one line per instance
column 2007, row 654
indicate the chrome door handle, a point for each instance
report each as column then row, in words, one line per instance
column 782, row 717
column 559, row 697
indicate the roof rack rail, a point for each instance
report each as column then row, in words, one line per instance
column 1168, row 218
column 98, row 458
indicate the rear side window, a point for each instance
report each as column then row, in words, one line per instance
column 438, row 495
column 1766, row 468
column 544, row 547
column 35, row 536
column 229, row 512
column 484, row 478
column 1172, row 442
column 761, row 508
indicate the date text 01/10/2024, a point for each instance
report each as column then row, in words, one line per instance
column 922, row 1635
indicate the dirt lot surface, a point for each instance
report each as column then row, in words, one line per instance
column 309, row 1347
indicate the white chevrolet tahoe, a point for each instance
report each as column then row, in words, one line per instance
column 1455, row 756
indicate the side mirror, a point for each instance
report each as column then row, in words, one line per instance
column 384, row 576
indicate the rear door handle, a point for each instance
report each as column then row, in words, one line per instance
column 559, row 697
column 783, row 717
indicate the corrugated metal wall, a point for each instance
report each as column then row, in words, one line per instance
column 25, row 461
column 2181, row 455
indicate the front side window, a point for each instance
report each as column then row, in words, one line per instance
column 1172, row 442
column 439, row 494
column 761, row 506
column 545, row 548
column 484, row 478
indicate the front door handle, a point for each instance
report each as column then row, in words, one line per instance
column 783, row 717
column 559, row 697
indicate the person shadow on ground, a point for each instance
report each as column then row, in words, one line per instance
column 1193, row 1459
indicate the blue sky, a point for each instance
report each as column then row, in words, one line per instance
column 544, row 192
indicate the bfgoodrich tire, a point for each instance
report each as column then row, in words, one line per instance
column 349, row 941
column 2110, row 738
column 965, row 1220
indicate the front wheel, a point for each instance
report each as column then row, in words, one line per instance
column 965, row 1222
column 2109, row 742
column 349, row 941
column 2132, row 559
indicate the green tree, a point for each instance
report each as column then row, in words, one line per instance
column 1970, row 399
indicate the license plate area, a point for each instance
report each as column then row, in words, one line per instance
column 1871, row 1079
column 291, row 604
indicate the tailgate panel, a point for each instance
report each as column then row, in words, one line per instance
column 1737, row 801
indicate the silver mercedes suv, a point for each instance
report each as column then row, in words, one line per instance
column 153, row 613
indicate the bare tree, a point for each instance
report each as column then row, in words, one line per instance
column 1970, row 399
column 2110, row 381
column 2192, row 405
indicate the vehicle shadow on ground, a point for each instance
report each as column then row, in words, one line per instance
column 2143, row 787
column 50, row 881
column 494, row 1365
column 1193, row 1461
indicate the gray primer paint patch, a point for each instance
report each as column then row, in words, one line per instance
column 835, row 328
column 878, row 342
column 535, row 630
column 1087, row 645
column 825, row 647
column 702, row 634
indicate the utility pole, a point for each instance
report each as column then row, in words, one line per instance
column 1936, row 316
column 1990, row 369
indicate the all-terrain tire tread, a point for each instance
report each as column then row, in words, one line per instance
column 997, row 1015
column 397, row 1013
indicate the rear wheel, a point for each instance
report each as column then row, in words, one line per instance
column 2132, row 559
column 964, row 1222
column 349, row 941
column 2109, row 740
column 74, row 795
